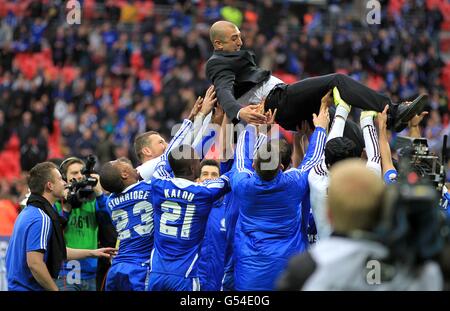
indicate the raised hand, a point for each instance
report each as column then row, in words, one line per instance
column 218, row 115
column 251, row 115
column 271, row 116
column 327, row 100
column 196, row 108
column 382, row 119
column 209, row 101
column 323, row 119
column 415, row 121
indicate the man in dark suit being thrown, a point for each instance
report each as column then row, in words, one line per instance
column 239, row 83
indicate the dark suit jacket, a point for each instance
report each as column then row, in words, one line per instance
column 233, row 74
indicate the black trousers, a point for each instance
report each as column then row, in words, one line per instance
column 298, row 101
column 352, row 130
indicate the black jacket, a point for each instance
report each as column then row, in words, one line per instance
column 233, row 74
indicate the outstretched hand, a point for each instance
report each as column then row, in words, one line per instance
column 415, row 121
column 271, row 116
column 252, row 115
column 209, row 101
column 218, row 115
column 382, row 119
column 323, row 119
column 327, row 100
column 106, row 252
column 196, row 108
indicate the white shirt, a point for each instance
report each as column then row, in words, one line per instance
column 318, row 189
column 259, row 92
column 147, row 169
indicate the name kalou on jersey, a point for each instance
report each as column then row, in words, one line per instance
column 178, row 194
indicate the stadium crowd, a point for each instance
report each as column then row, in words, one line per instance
column 138, row 66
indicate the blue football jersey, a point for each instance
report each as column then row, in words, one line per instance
column 269, row 219
column 231, row 209
column 31, row 233
column 132, row 216
column 181, row 212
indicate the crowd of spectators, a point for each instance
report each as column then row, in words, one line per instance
column 132, row 66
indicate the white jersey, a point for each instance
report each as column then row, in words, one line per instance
column 318, row 189
column 147, row 168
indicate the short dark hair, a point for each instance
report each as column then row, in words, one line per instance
column 141, row 141
column 338, row 149
column 111, row 179
column 181, row 158
column 40, row 174
column 209, row 162
column 268, row 153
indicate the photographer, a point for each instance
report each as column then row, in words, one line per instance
column 84, row 200
column 357, row 256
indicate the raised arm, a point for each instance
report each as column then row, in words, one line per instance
column 218, row 187
column 203, row 117
column 300, row 143
column 414, row 125
column 340, row 117
column 245, row 150
column 389, row 171
column 209, row 132
column 226, row 140
column 179, row 136
column 317, row 142
column 315, row 150
column 371, row 141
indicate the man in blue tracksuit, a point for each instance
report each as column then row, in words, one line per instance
column 269, row 215
column 212, row 254
column 231, row 210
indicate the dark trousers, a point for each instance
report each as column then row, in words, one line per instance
column 298, row 101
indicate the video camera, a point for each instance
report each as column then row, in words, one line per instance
column 83, row 190
column 412, row 225
column 426, row 165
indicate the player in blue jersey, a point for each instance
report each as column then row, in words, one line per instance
column 181, row 208
column 269, row 215
column 212, row 255
column 132, row 215
column 231, row 205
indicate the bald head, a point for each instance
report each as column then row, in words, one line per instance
column 225, row 36
column 355, row 195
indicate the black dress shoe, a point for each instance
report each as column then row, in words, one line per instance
column 406, row 112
